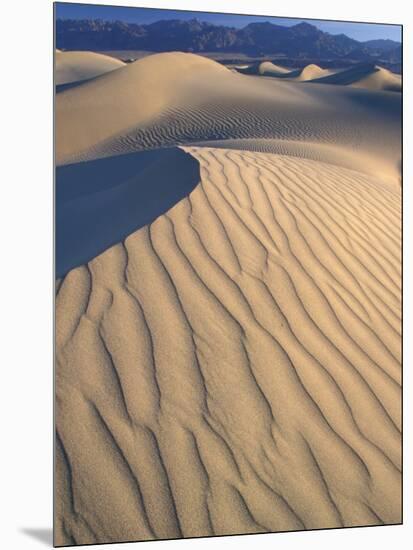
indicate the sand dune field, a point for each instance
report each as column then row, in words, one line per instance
column 365, row 75
column 181, row 102
column 266, row 68
column 370, row 77
column 227, row 359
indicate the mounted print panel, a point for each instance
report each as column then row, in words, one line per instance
column 228, row 274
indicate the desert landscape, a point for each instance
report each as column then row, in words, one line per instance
column 228, row 297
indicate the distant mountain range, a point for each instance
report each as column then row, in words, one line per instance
column 256, row 39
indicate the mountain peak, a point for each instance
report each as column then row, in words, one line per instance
column 302, row 40
column 304, row 26
column 262, row 25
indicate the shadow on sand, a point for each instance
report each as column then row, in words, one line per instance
column 100, row 202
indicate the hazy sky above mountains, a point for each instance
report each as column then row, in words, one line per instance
column 358, row 31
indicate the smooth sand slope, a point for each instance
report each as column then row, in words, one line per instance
column 234, row 365
column 266, row 68
column 310, row 72
column 184, row 98
column 368, row 76
column 78, row 66
column 364, row 75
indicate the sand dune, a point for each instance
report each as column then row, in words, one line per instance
column 91, row 193
column 162, row 80
column 78, row 66
column 266, row 68
column 233, row 365
column 274, row 402
column 310, row 72
column 367, row 75
column 181, row 102
column 380, row 79
column 371, row 77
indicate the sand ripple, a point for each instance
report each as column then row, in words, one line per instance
column 234, row 367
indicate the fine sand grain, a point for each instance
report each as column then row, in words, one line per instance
column 232, row 366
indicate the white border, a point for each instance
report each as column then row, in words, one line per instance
column 26, row 271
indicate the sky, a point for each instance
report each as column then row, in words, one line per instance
column 358, row 31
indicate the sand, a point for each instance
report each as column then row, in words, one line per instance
column 79, row 66
column 266, row 68
column 364, row 75
column 232, row 365
column 180, row 102
column 370, row 77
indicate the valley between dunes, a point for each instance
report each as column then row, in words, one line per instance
column 231, row 365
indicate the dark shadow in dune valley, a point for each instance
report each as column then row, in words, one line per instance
column 100, row 202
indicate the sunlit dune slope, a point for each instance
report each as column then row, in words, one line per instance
column 234, row 366
column 310, row 72
column 135, row 95
column 368, row 76
column 175, row 98
column 78, row 66
column 364, row 75
column 266, row 68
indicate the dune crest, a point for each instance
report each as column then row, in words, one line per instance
column 381, row 79
column 186, row 98
column 262, row 391
column 310, row 72
column 228, row 313
column 91, row 193
column 79, row 66
column 364, row 75
column 368, row 76
column 267, row 68
column 137, row 93
column 264, row 68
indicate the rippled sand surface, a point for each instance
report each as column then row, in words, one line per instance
column 233, row 365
